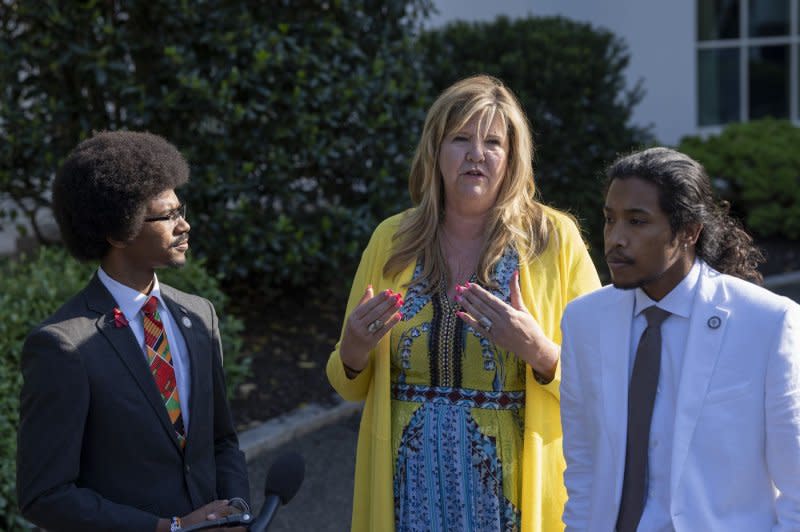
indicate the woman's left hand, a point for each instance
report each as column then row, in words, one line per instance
column 512, row 327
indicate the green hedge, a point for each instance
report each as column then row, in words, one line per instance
column 570, row 80
column 297, row 117
column 33, row 288
column 755, row 166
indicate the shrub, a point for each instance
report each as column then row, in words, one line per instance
column 570, row 80
column 298, row 132
column 31, row 289
column 756, row 167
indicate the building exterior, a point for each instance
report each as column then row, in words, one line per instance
column 703, row 63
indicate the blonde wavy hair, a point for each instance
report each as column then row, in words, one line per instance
column 517, row 217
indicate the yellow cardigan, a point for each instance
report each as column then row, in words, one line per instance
column 550, row 281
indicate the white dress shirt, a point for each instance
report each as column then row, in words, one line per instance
column 130, row 303
column 674, row 332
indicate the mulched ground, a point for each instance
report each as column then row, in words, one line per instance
column 290, row 338
column 289, row 341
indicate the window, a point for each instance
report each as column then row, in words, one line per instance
column 747, row 60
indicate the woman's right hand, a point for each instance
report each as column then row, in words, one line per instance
column 372, row 318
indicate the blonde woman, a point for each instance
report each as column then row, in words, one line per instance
column 452, row 332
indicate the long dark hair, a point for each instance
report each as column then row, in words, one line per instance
column 686, row 196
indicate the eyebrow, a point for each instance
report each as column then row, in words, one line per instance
column 465, row 133
column 634, row 210
column 169, row 210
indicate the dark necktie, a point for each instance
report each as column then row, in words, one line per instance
column 160, row 361
column 641, row 398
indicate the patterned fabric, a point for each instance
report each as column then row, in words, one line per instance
column 450, row 478
column 160, row 361
column 457, row 416
column 459, row 396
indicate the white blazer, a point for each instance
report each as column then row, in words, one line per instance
column 737, row 418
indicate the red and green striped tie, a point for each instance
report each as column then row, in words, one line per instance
column 160, row 360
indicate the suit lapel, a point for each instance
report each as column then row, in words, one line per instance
column 126, row 347
column 613, row 344
column 191, row 336
column 707, row 326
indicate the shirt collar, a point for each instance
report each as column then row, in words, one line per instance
column 678, row 301
column 128, row 300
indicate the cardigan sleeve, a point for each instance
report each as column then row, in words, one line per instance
column 580, row 273
column 369, row 273
column 576, row 276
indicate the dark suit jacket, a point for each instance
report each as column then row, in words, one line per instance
column 96, row 449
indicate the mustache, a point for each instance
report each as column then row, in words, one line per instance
column 180, row 241
column 616, row 256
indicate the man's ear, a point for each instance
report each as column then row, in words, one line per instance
column 690, row 234
column 119, row 244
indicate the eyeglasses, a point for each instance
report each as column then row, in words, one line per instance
column 177, row 213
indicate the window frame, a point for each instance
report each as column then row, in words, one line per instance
column 744, row 43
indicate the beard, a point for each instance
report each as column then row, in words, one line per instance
column 637, row 283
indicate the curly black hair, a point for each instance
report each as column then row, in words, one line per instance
column 686, row 196
column 102, row 189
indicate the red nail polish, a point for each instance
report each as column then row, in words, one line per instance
column 398, row 304
column 458, row 299
column 459, row 288
column 400, row 314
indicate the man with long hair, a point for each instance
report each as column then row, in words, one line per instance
column 680, row 394
column 124, row 422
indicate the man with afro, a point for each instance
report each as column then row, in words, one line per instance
column 124, row 423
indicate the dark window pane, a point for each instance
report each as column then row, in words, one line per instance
column 769, row 82
column 718, row 86
column 768, row 18
column 717, row 19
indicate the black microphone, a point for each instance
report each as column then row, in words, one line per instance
column 283, row 480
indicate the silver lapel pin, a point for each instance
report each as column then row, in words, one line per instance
column 714, row 322
column 186, row 321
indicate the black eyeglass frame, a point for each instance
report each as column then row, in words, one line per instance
column 178, row 212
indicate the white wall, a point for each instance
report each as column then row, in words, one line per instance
column 12, row 242
column 8, row 233
column 661, row 40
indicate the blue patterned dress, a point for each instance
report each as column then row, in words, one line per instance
column 457, row 417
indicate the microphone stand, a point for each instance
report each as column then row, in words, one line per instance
column 268, row 511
